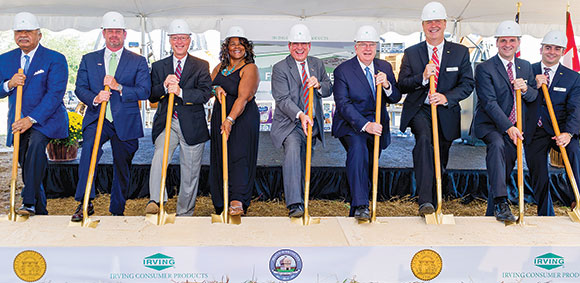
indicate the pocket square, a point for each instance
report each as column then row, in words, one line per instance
column 38, row 72
column 99, row 64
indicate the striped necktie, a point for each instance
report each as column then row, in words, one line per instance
column 178, row 75
column 435, row 59
column 305, row 94
column 510, row 73
column 547, row 74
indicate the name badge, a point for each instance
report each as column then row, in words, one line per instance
column 562, row 89
column 452, row 69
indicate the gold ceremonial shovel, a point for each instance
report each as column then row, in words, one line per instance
column 376, row 150
column 520, row 164
column 305, row 219
column 574, row 213
column 87, row 222
column 225, row 217
column 12, row 215
column 162, row 217
column 437, row 217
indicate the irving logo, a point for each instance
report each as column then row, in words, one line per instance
column 159, row 262
column 549, row 261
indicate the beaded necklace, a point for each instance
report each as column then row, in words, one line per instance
column 227, row 72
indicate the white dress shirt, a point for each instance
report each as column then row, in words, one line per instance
column 22, row 63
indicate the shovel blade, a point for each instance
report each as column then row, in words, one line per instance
column 305, row 220
column 17, row 218
column 161, row 218
column 218, row 218
column 574, row 215
column 231, row 219
column 438, row 219
column 87, row 223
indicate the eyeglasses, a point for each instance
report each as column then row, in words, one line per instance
column 367, row 45
column 179, row 38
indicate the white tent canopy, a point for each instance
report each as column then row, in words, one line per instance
column 329, row 20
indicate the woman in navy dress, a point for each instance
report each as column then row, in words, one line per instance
column 237, row 77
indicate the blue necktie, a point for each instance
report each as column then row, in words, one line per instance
column 26, row 63
column 370, row 79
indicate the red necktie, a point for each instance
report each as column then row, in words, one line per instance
column 435, row 59
column 510, row 73
column 304, row 88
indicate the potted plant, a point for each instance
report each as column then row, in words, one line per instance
column 66, row 149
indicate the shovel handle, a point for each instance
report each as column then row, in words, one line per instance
column 168, row 120
column 225, row 160
column 436, row 157
column 520, row 159
column 16, row 144
column 562, row 149
column 376, row 150
column 94, row 155
column 308, row 152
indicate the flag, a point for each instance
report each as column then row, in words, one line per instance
column 570, row 58
column 517, row 20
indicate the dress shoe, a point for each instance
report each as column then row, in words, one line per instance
column 362, row 213
column 296, row 210
column 152, row 207
column 236, row 208
column 503, row 212
column 426, row 208
column 78, row 215
column 26, row 210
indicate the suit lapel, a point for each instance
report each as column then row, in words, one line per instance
column 187, row 69
column 445, row 57
column 358, row 72
column 502, row 71
column 293, row 69
column 122, row 63
column 557, row 76
column 34, row 65
column 424, row 53
column 100, row 62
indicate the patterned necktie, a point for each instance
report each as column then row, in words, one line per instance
column 305, row 93
column 510, row 73
column 435, row 59
column 112, row 69
column 370, row 80
column 178, row 75
column 26, row 63
column 547, row 74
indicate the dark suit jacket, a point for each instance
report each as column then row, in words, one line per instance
column 565, row 96
column 287, row 91
column 455, row 82
column 495, row 98
column 195, row 84
column 355, row 103
column 132, row 73
column 42, row 92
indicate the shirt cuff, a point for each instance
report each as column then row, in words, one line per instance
column 425, row 82
column 364, row 127
column 298, row 114
column 6, row 89
column 32, row 120
column 388, row 91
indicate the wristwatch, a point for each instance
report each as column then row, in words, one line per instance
column 231, row 120
column 120, row 88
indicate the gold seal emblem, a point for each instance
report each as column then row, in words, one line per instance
column 426, row 265
column 29, row 266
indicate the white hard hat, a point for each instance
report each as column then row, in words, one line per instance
column 178, row 26
column 299, row 33
column 433, row 11
column 235, row 31
column 555, row 37
column 367, row 33
column 508, row 28
column 25, row 21
column 113, row 20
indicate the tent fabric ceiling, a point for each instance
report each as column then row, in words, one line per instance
column 332, row 17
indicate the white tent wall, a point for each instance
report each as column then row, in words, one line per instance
column 337, row 18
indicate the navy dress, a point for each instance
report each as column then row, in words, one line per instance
column 242, row 146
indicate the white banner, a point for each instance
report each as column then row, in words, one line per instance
column 293, row 264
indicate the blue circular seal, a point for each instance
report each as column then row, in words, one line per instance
column 285, row 265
